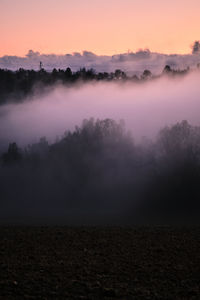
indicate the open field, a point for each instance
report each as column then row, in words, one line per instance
column 99, row 263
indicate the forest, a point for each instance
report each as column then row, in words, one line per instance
column 15, row 86
column 97, row 173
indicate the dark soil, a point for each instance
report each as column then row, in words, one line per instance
column 99, row 263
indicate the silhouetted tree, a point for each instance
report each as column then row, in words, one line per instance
column 13, row 154
column 119, row 74
column 16, row 85
column 167, row 69
column 196, row 47
column 146, row 74
column 68, row 73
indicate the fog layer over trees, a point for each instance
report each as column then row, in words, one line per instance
column 16, row 86
column 145, row 107
column 98, row 175
column 103, row 172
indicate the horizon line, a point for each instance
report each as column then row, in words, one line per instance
column 37, row 53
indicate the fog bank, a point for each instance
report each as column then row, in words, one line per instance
column 131, row 62
column 145, row 108
column 95, row 174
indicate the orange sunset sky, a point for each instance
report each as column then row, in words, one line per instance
column 100, row 26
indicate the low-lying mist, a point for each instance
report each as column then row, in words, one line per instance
column 145, row 108
column 102, row 171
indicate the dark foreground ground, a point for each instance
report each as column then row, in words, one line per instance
column 99, row 263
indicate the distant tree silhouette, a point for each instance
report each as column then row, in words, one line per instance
column 167, row 69
column 119, row 74
column 68, row 73
column 13, row 154
column 16, row 85
column 146, row 74
column 196, row 47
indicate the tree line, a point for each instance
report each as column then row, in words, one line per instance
column 99, row 171
column 16, row 85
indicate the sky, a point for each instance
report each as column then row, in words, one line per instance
column 99, row 26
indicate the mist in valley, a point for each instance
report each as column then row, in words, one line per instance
column 67, row 156
column 145, row 108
